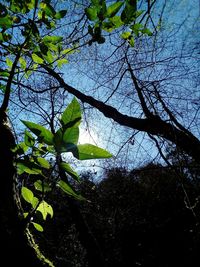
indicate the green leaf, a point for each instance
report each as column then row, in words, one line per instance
column 71, row 135
column 9, row 62
column 65, row 139
column 43, row 163
column 69, row 191
column 128, row 15
column 20, row 148
column 61, row 62
column 52, row 39
column 3, row 87
column 125, row 35
column 88, row 151
column 137, row 27
column 37, row 59
column 91, row 13
column 29, row 139
column 6, row 22
column 72, row 114
column 147, row 31
column 42, row 133
column 35, row 202
column 45, row 209
column 68, row 169
column 60, row 14
column 42, row 186
column 4, row 73
column 27, row 166
column 27, row 194
column 131, row 41
column 114, row 8
column 38, row 227
column 49, row 10
column 22, row 62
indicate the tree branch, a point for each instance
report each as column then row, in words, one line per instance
column 154, row 125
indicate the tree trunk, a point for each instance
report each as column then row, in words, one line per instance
column 14, row 244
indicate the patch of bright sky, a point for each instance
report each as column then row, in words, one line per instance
column 183, row 12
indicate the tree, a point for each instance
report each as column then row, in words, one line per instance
column 138, row 217
column 34, row 45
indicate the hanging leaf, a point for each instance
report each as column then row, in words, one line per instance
column 38, row 227
column 9, row 62
column 52, row 39
column 72, row 114
column 44, row 208
column 37, row 59
column 42, row 186
column 42, row 133
column 69, row 191
column 27, row 166
column 88, row 151
column 29, row 139
column 126, row 35
column 91, row 13
column 71, row 135
column 61, row 62
column 68, row 169
column 60, row 14
column 27, row 194
column 114, row 8
column 43, row 162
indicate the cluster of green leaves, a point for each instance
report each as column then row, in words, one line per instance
column 28, row 21
column 34, row 157
column 114, row 16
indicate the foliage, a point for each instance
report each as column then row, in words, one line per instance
column 37, row 156
column 137, row 217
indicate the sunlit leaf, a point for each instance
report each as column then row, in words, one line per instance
column 22, row 62
column 126, row 35
column 71, row 135
column 9, row 62
column 72, row 114
column 38, row 227
column 89, row 151
column 44, row 208
column 61, row 62
column 131, row 41
column 27, row 194
column 37, row 59
column 114, row 8
column 52, row 39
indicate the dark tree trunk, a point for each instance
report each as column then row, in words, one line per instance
column 15, row 248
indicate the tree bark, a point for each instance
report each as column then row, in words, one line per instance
column 14, row 244
column 154, row 125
